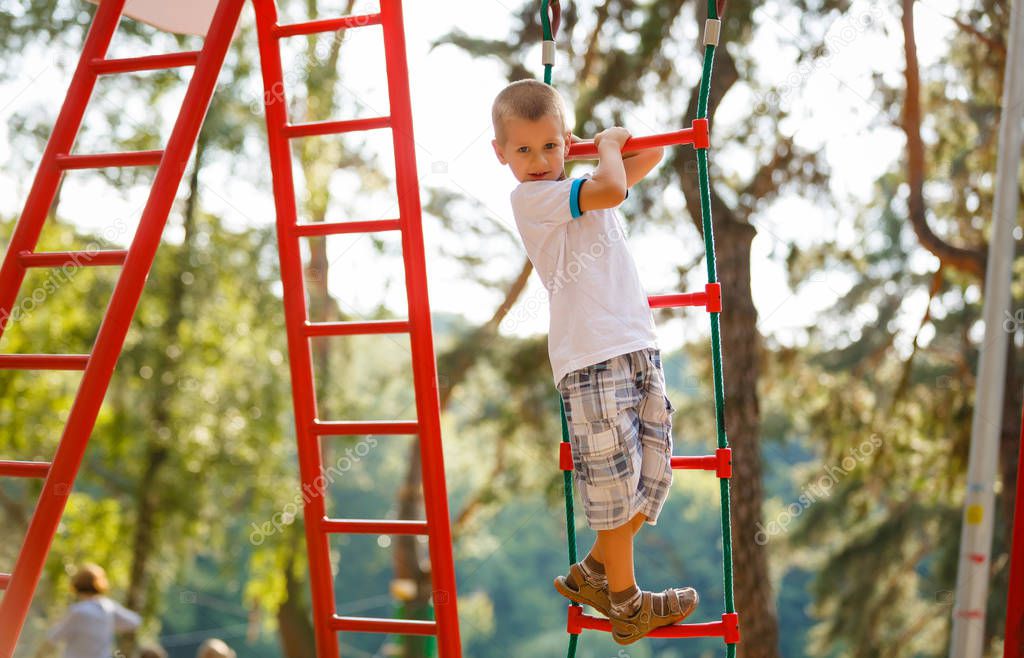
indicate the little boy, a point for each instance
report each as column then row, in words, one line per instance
column 602, row 346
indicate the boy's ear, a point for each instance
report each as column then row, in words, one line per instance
column 499, row 151
column 568, row 144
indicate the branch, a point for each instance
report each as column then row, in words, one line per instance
column 481, row 336
column 991, row 42
column 901, row 388
column 971, row 261
column 685, row 161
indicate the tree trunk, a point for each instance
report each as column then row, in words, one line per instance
column 294, row 618
column 149, row 496
column 741, row 354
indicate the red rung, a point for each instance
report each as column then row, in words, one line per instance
column 5, row 578
column 703, row 463
column 335, row 228
column 76, row 258
column 371, row 625
column 727, row 628
column 723, row 468
column 335, row 127
column 696, row 135
column 700, row 134
column 720, row 462
column 375, row 526
column 326, row 25
column 101, row 160
column 43, row 361
column 714, row 297
column 147, row 63
column 18, row 469
column 354, row 427
column 565, row 456
column 357, row 328
column 677, row 299
column 731, row 626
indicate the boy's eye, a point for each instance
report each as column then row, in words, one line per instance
column 523, row 149
column 550, row 145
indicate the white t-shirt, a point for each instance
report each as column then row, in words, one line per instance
column 89, row 626
column 599, row 310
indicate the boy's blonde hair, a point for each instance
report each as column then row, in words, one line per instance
column 526, row 99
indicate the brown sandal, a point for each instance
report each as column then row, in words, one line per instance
column 587, row 594
column 676, row 605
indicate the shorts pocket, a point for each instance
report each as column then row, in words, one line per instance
column 601, row 458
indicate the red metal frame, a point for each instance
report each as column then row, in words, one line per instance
column 309, row 428
column 99, row 365
column 1013, row 646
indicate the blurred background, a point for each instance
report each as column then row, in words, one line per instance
column 853, row 155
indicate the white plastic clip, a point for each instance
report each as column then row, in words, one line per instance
column 712, row 28
column 548, row 53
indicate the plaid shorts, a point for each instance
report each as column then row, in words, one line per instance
column 620, row 426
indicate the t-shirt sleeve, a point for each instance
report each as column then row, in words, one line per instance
column 65, row 627
column 124, row 619
column 548, row 203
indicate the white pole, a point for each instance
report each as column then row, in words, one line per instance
column 976, row 538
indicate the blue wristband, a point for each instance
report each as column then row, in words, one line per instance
column 574, row 197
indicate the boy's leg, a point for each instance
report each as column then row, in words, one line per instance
column 636, row 522
column 616, row 547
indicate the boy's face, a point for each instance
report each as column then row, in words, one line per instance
column 534, row 150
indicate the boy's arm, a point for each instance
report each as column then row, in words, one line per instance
column 607, row 186
column 639, row 163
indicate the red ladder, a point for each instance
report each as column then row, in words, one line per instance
column 309, row 428
column 98, row 365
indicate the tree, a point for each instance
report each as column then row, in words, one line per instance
column 907, row 383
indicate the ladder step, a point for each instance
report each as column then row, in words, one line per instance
column 5, row 578
column 357, row 328
column 711, row 298
column 19, row 469
column 336, row 228
column 375, row 526
column 101, row 160
column 335, row 127
column 43, row 361
column 371, row 625
column 76, row 258
column 720, row 462
column 727, row 629
column 326, row 25
column 147, row 63
column 677, row 299
column 355, row 427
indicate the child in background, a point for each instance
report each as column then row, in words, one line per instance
column 89, row 626
column 602, row 346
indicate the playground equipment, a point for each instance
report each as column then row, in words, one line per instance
column 711, row 299
column 217, row 20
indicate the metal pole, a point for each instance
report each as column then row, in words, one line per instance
column 976, row 537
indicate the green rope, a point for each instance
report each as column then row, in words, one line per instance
column 716, row 339
column 570, row 518
column 545, row 22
